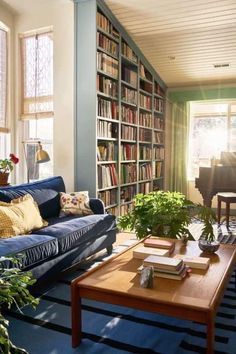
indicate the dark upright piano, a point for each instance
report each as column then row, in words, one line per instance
column 218, row 178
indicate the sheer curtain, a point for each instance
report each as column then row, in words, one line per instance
column 179, row 146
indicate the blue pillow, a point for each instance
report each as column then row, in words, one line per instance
column 45, row 192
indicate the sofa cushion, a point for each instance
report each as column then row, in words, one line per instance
column 20, row 216
column 34, row 248
column 70, row 232
column 76, row 203
column 46, row 193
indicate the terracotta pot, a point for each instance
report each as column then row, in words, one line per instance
column 4, row 178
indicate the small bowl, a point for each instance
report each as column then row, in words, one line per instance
column 208, row 247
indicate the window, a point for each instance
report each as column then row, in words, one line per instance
column 4, row 129
column 37, row 99
column 212, row 130
column 37, row 76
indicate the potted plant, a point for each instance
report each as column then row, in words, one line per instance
column 13, row 290
column 6, row 166
column 207, row 241
column 159, row 213
column 169, row 214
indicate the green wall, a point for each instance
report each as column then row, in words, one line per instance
column 202, row 94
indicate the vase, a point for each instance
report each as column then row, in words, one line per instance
column 4, row 178
column 207, row 246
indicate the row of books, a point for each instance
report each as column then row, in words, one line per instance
column 107, row 151
column 106, row 25
column 145, row 134
column 107, row 64
column 113, row 210
column 107, row 86
column 129, row 95
column 158, row 104
column 107, row 44
column 128, row 52
column 128, row 132
column 125, row 208
column 145, row 171
column 128, row 173
column 145, row 119
column 158, row 153
column 157, row 169
column 127, row 193
column 128, row 75
column 108, row 197
column 145, row 86
column 158, row 138
column 107, row 109
column 128, row 152
column 107, row 176
column 106, row 129
column 129, row 114
column 145, row 152
column 158, row 123
column 158, row 90
column 145, row 187
column 145, row 101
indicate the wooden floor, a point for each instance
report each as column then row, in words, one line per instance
column 121, row 237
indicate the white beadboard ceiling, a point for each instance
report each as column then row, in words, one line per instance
column 183, row 39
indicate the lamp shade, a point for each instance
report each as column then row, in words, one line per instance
column 41, row 155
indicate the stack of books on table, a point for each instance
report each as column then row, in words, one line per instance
column 165, row 267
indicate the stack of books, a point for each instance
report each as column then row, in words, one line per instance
column 165, row 267
column 157, row 243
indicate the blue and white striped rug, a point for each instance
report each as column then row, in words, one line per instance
column 109, row 329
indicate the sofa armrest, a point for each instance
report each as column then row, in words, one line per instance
column 97, row 205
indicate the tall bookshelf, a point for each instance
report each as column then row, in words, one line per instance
column 120, row 112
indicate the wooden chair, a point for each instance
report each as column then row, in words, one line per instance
column 227, row 198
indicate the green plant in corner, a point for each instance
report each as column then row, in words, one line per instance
column 160, row 213
column 13, row 291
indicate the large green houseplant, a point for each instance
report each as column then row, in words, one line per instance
column 165, row 213
column 159, row 213
column 13, row 291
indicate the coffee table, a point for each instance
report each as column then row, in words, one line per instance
column 194, row 298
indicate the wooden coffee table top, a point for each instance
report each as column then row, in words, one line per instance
column 200, row 290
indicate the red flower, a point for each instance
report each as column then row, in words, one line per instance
column 14, row 159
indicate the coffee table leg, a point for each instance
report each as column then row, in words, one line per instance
column 210, row 335
column 75, row 316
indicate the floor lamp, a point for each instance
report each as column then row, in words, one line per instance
column 39, row 156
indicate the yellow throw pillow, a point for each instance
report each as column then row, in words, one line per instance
column 76, row 203
column 20, row 216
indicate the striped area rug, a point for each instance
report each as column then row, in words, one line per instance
column 110, row 329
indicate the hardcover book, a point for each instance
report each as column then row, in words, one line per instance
column 155, row 242
column 194, row 261
column 142, row 252
column 163, row 262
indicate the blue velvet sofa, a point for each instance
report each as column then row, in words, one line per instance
column 66, row 240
